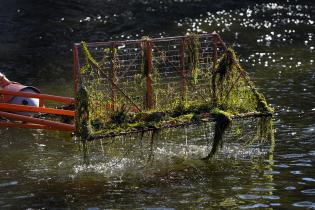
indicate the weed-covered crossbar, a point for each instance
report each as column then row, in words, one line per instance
column 132, row 86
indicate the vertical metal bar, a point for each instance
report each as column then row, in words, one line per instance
column 221, row 41
column 183, row 71
column 149, row 72
column 113, row 76
column 76, row 67
column 41, row 102
column 214, row 73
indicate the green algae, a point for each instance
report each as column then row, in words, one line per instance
column 122, row 122
column 220, row 114
column 226, row 63
column 193, row 47
column 234, row 94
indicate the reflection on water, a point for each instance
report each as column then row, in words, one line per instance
column 147, row 165
column 134, row 170
column 276, row 44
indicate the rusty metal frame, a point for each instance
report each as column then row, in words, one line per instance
column 77, row 46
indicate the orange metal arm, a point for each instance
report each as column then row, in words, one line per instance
column 44, row 123
column 61, row 99
column 15, row 108
column 30, row 126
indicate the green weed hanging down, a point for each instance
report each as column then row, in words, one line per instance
column 82, row 117
column 193, row 47
column 88, row 58
column 236, row 92
column 222, row 123
column 227, row 63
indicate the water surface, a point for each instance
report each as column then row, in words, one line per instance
column 275, row 42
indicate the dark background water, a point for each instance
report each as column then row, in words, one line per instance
column 275, row 41
column 37, row 36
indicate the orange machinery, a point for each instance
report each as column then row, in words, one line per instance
column 18, row 110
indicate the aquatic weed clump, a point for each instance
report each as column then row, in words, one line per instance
column 149, row 84
column 226, row 64
column 82, row 117
column 193, row 47
column 236, row 93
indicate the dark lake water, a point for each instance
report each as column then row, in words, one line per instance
column 275, row 41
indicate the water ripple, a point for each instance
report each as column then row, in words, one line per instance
column 271, row 197
column 302, row 164
column 296, row 172
column 306, row 204
column 292, row 156
column 258, row 205
column 290, row 188
column 9, row 184
column 312, row 153
column 309, row 191
column 307, row 179
column 249, row 196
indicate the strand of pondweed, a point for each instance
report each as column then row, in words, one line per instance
column 193, row 47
